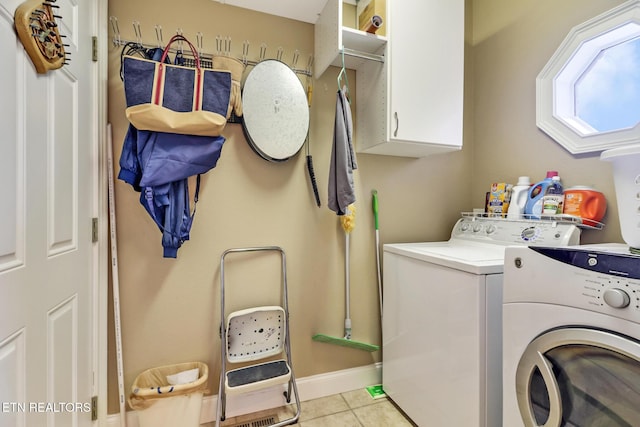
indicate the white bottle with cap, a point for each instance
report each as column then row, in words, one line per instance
column 519, row 198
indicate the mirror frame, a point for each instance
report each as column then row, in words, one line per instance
column 555, row 85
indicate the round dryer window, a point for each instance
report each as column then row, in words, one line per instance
column 275, row 111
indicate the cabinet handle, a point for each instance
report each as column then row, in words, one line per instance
column 395, row 132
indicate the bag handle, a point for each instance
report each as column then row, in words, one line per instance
column 198, row 88
column 179, row 37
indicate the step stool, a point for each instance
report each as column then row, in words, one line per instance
column 253, row 335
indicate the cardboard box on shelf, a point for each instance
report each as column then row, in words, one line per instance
column 366, row 12
column 499, row 198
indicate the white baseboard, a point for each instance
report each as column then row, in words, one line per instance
column 309, row 388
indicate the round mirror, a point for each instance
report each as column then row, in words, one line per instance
column 275, row 111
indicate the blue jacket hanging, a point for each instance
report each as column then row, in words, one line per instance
column 158, row 165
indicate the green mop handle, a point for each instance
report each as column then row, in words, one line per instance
column 374, row 193
column 375, row 207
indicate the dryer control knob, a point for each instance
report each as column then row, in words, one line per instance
column 616, row 298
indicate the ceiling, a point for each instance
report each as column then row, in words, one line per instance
column 300, row 10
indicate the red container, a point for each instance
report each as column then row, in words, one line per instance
column 586, row 203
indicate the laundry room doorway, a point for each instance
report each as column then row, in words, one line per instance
column 51, row 194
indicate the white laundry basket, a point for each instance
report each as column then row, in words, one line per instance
column 626, row 179
column 161, row 404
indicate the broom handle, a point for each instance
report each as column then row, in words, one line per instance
column 377, row 228
column 347, row 320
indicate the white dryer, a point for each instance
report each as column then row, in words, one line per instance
column 442, row 319
column 571, row 337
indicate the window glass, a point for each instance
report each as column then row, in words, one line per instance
column 607, row 95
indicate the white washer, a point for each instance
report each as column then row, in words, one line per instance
column 442, row 319
column 571, row 337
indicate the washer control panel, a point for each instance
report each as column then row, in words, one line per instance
column 597, row 280
column 620, row 263
column 516, row 232
column 611, row 292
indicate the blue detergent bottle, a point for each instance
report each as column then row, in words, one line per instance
column 533, row 207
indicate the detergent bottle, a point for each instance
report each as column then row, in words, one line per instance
column 586, row 203
column 519, row 198
column 533, row 206
column 553, row 198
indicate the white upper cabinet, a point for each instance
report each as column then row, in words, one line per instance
column 426, row 63
column 411, row 104
column 409, row 83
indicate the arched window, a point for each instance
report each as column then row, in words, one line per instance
column 588, row 94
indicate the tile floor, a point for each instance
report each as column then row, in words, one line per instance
column 351, row 409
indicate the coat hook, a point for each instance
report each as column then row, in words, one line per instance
column 199, row 42
column 309, row 64
column 245, row 52
column 224, row 46
column 294, row 61
column 116, row 30
column 263, row 51
column 180, row 47
column 159, row 35
column 137, row 31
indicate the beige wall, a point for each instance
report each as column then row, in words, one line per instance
column 512, row 42
column 170, row 308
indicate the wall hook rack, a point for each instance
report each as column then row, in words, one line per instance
column 223, row 47
column 37, row 29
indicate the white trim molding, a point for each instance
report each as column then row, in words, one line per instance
column 555, row 85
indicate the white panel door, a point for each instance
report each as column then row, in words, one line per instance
column 46, row 169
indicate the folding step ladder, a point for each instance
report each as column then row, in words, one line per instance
column 253, row 335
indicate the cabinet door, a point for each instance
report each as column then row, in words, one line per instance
column 426, row 63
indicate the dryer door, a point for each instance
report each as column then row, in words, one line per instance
column 579, row 377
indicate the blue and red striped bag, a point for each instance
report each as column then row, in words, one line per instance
column 163, row 97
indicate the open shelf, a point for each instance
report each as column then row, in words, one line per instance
column 332, row 39
column 561, row 219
